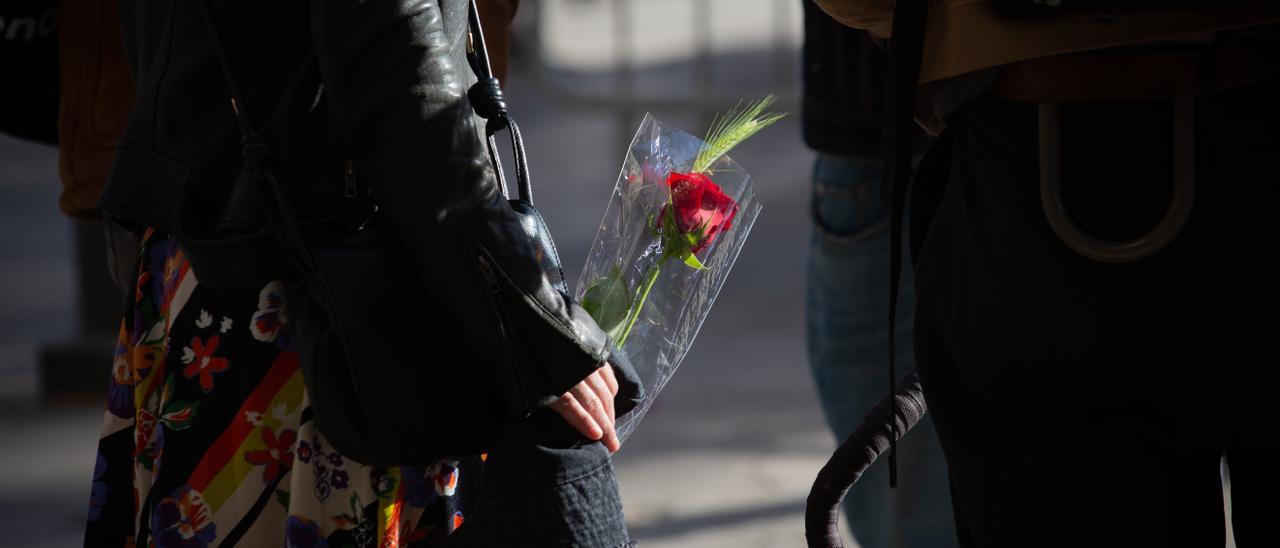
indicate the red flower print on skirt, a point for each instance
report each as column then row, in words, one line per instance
column 201, row 361
column 277, row 456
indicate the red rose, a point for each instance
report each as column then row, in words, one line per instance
column 700, row 205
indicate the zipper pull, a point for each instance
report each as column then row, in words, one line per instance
column 349, row 178
column 487, row 270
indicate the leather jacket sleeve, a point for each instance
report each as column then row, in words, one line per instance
column 396, row 76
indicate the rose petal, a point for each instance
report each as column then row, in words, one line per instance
column 700, row 204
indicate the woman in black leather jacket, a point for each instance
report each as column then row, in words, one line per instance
column 209, row 437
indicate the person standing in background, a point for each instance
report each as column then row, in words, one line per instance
column 1088, row 244
column 847, row 297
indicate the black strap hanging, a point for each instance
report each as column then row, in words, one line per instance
column 906, row 50
column 258, row 157
column 487, row 100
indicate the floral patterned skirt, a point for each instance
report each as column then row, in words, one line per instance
column 208, row 438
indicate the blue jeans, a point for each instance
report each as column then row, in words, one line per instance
column 847, row 308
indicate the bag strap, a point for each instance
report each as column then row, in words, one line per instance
column 258, row 157
column 487, row 100
column 906, row 50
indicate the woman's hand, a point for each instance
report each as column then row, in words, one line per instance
column 588, row 407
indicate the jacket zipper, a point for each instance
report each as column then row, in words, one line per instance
column 349, row 179
column 486, row 270
column 495, row 291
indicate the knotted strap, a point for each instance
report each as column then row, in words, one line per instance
column 489, row 103
column 256, row 152
column 258, row 159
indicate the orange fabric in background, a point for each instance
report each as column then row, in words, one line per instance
column 96, row 96
column 495, row 19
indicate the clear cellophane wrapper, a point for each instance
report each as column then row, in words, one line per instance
column 626, row 244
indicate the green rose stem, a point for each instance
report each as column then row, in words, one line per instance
column 651, row 277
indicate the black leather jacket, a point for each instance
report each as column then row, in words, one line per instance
column 400, row 129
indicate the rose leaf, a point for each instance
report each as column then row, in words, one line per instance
column 608, row 301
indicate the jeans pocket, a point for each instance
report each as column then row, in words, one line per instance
column 846, row 205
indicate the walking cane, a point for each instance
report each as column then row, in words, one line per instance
column 896, row 414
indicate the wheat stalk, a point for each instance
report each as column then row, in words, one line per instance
column 733, row 128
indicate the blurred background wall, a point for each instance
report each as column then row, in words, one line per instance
column 726, row 455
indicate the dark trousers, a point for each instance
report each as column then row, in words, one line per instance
column 544, row 485
column 1086, row 404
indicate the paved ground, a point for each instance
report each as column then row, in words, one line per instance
column 47, row 450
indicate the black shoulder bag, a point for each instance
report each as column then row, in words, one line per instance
column 360, row 313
